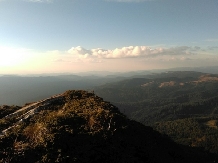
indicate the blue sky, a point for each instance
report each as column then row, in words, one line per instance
column 83, row 35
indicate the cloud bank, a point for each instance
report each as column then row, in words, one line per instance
column 128, row 58
column 131, row 52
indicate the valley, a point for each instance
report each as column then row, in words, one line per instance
column 179, row 107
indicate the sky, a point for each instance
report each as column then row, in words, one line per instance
column 71, row 36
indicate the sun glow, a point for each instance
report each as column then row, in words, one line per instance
column 10, row 57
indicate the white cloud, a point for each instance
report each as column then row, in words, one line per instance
column 130, row 52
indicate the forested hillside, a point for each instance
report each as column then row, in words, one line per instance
column 168, row 97
column 195, row 132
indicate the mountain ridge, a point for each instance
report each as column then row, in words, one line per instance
column 78, row 126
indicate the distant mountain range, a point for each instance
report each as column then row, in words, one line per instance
column 78, row 126
column 17, row 90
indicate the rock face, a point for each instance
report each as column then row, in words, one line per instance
column 78, row 126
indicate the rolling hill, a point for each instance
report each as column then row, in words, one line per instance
column 178, row 104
